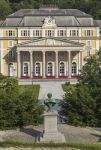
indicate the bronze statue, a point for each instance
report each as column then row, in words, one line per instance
column 49, row 102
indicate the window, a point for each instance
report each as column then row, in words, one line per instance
column 10, row 54
column 50, row 69
column 10, row 43
column 88, row 52
column 49, row 33
column 11, row 69
column 89, row 33
column 61, row 32
column 88, row 43
column 25, row 69
column 74, row 33
column 88, row 47
column 25, row 33
column 74, row 68
column 62, row 68
column 10, row 33
column 37, row 69
column 37, row 33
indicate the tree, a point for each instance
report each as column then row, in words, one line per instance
column 82, row 103
column 5, row 9
column 78, row 106
column 17, row 108
column 91, row 71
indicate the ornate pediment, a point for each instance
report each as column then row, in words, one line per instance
column 46, row 42
column 49, row 22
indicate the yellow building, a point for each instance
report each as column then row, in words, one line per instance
column 47, row 43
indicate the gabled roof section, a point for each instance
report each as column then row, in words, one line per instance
column 50, row 42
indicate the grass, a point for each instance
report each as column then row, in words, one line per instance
column 51, row 145
column 35, row 89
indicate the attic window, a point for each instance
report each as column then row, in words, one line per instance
column 25, row 33
column 10, row 33
column 61, row 32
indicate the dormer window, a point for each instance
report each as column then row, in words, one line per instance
column 49, row 33
column 37, row 33
column 74, row 33
column 25, row 33
column 10, row 33
column 61, row 33
column 88, row 33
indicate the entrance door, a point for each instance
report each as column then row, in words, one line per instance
column 11, row 70
column 62, row 69
column 37, row 69
column 49, row 69
column 25, row 69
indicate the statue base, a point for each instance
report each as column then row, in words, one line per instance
column 51, row 133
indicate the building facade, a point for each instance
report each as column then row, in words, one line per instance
column 47, row 43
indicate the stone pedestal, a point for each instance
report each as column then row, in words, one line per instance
column 51, row 133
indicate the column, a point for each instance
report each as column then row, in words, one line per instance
column 69, row 64
column 56, row 64
column 31, row 64
column 80, row 60
column 43, row 68
column 18, row 65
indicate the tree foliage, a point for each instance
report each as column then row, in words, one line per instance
column 89, row 6
column 17, row 108
column 82, row 102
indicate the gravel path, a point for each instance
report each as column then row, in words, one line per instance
column 51, row 87
column 72, row 134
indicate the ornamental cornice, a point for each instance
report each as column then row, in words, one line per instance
column 50, row 49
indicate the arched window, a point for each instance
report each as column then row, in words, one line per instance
column 25, row 69
column 49, row 71
column 11, row 69
column 62, row 68
column 74, row 68
column 37, row 69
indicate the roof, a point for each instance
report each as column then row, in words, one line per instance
column 36, row 17
column 49, row 12
column 98, row 22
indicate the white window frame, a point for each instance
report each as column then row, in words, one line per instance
column 25, row 62
column 25, row 33
column 10, row 43
column 60, row 71
column 37, row 73
column 10, row 54
column 74, row 69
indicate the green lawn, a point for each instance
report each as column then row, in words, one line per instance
column 52, row 145
column 35, row 89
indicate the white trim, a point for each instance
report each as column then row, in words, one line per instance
column 97, row 44
column 98, row 32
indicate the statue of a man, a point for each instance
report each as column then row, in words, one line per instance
column 49, row 102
